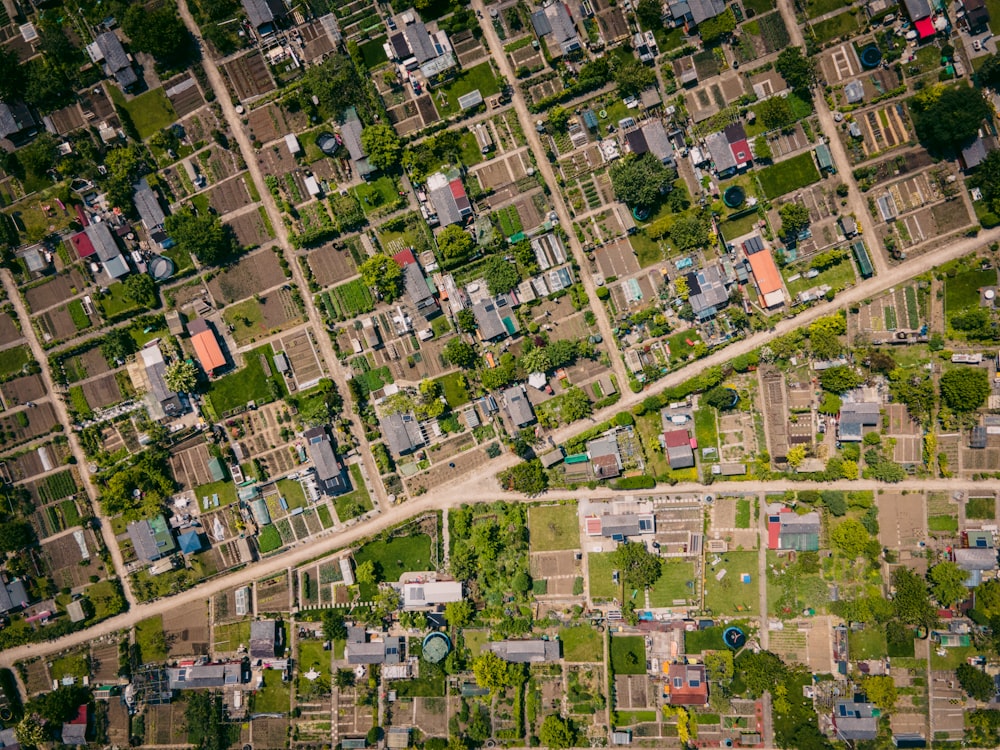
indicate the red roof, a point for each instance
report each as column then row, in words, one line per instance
column 676, row 438
column 924, row 27
column 404, row 258
column 593, row 526
column 82, row 244
column 206, row 346
column 679, row 687
column 741, row 152
column 457, row 188
column 81, row 716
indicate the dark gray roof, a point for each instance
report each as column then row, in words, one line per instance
column 402, row 433
column 329, row 472
column 563, row 28
column 627, row 525
column 156, row 368
column 148, row 205
column 722, row 155
column 350, row 131
column 12, row 596
column 15, row 117
column 680, row 456
column 263, row 639
column 864, row 413
column 977, row 558
column 541, row 23
column 636, row 142
column 415, row 284
column 204, row 676
column 420, row 42
column 526, row 652
column 657, row 140
column 917, row 9
column 488, row 320
column 116, row 59
column 151, row 539
column 445, row 205
column 103, row 241
column 74, row 734
column 707, row 291
column 518, row 406
column 387, row 651
column 702, row 10
column 974, row 154
column 263, row 12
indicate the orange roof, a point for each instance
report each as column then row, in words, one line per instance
column 765, row 272
column 206, row 348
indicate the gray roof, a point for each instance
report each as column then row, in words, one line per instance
column 263, row 12
column 350, row 131
column 631, row 524
column 399, row 47
column 604, row 446
column 263, row 639
column 387, row 651
column 540, row 22
column 445, row 205
column 917, row 9
column 865, row 413
column 204, row 676
column 116, row 59
column 329, row 471
column 702, row 10
column 976, row 558
column 707, row 291
column 74, row 734
column 526, row 652
column 657, row 140
column 103, row 241
column 488, row 320
column 807, row 523
column 156, row 368
column 518, row 406
column 148, row 205
column 849, row 729
column 419, row 41
column 14, row 117
column 402, row 433
column 144, row 538
column 12, row 596
column 722, row 155
column 680, row 456
column 417, row 289
column 974, row 154
column 563, row 28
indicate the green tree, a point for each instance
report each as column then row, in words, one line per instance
column 159, row 31
column 975, row 682
column 461, row 353
column 458, row 614
column 632, row 77
column 650, row 14
column 466, row 320
column 365, row 573
column 965, row 390
column 948, row 117
column 117, row 344
column 558, row 119
column 850, row 537
column 16, row 535
column 916, row 390
column 719, row 398
column 759, row 671
column 491, row 672
column 762, row 149
column 536, row 360
column 455, row 245
column 203, row 235
column 528, row 478
column 29, row 732
column 719, row 665
column 988, row 72
column 557, row 732
column 383, row 274
column 500, row 275
column 795, row 455
column 382, row 145
column 181, row 376
column 794, row 219
column 125, row 165
column 948, row 583
column 774, row 112
column 840, row 379
column 640, row 180
column 639, row 568
column 798, row 70
column 59, row 705
column 714, row 29
column 11, row 76
column 912, row 601
column 987, row 178
column 141, row 289
column 334, row 627
column 881, row 690
column 689, row 233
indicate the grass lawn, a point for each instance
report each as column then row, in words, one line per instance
column 78, row 402
column 150, row 639
column 373, row 53
column 731, row 596
column 356, row 502
column 247, row 320
column 962, row 292
column 743, row 513
column 229, row 637
column 630, row 718
column 480, row 77
column 706, row 430
column 268, row 539
column 554, row 527
column 226, row 491
column 581, row 643
column 115, row 303
column 817, row 8
column 842, row 24
column 599, row 566
column 649, row 429
column 740, row 226
column 981, row 508
column 325, row 517
column 454, row 389
column 101, row 595
column 399, row 555
column 628, row 654
column 952, row 658
column 150, row 111
column 380, row 193
column 75, row 664
column 469, row 151
column 648, row 250
column 249, row 384
column 275, row 696
column 709, row 639
column 312, row 656
column 836, row 277
column 993, row 6
column 181, row 258
column 293, row 493
column 867, row 644
column 788, row 175
column 904, row 649
column 942, row 523
column 673, row 584
column 475, row 640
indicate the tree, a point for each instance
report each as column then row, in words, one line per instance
column 640, row 180
column 333, row 625
column 988, row 73
column 461, row 353
column 59, row 705
column 141, row 289
column 181, row 376
column 125, row 165
column 528, row 478
column 975, row 682
column 11, row 76
column 158, row 31
column 558, row 119
column 650, row 14
column 760, row 671
column 794, row 220
column 500, row 275
column 714, row 29
column 719, row 665
column 914, row 390
column 795, row 455
column 798, row 70
column 458, row 614
column 202, row 234
column 965, row 390
column 638, row 567
column 557, row 733
column 881, row 690
column 850, row 537
column 455, row 245
column 16, row 535
column 762, row 149
column 987, row 179
column 689, row 233
column 948, row 117
column 466, row 320
column 117, row 344
column 491, row 671
column 344, row 678
column 948, row 583
column 383, row 274
column 911, row 601
column 719, row 398
column 365, row 573
column 632, row 77
column 30, row 732
column 840, row 379
column 774, row 113
column 536, row 360
column 382, row 145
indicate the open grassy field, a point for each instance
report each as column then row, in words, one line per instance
column 268, row 539
column 581, row 643
column 454, row 388
column 399, row 555
column 275, row 696
column 961, row 292
column 13, row 360
column 730, row 596
column 249, row 384
column 788, row 175
column 357, row 501
column 600, row 567
column 709, row 639
column 74, row 664
column 554, row 527
column 313, row 657
column 480, row 77
column 628, row 654
column 226, row 491
column 150, row 639
column 673, row 584
column 229, row 637
column 981, row 508
column 150, row 111
column 867, row 644
column 836, row 277
column 706, row 430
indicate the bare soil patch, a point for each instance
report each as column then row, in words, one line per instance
column 252, row 274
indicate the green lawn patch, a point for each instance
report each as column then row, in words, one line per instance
column 325, row 517
column 75, row 664
column 354, row 503
column 352, row 298
column 80, row 318
column 150, row 639
column 953, row 657
column 454, row 388
column 706, row 431
column 249, row 384
column 743, row 513
column 78, row 402
column 401, row 554
column 981, row 508
column 229, row 637
column 788, row 175
column 13, row 360
column 672, row 585
column 730, row 596
column 480, row 77
column 942, row 523
column 475, row 640
column 553, row 527
column 817, row 8
column 292, row 491
column 372, row 52
column 379, row 194
column 709, row 639
column 275, row 696
column 115, row 304
column 581, row 643
column 469, row 151
column 600, row 567
column 150, row 111
column 901, row 649
column 268, row 539
column 107, row 600
column 628, row 654
column 631, row 718
column 837, row 277
column 312, row 657
column 961, row 292
column 834, row 27
column 181, row 258
column 737, row 227
column 226, row 491
column 247, row 320
column 867, row 644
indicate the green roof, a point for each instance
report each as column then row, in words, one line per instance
column 217, row 470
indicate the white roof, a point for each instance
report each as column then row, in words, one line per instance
column 431, row 593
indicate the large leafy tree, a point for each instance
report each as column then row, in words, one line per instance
column 528, row 477
column 840, row 379
column 650, row 13
column 794, row 219
column 141, row 289
column 912, row 601
column 948, row 117
column 798, row 70
column 461, row 353
column 455, row 246
column 16, row 535
column 948, row 583
column 501, row 276
column 159, row 31
column 382, row 145
column 384, row 275
column 181, row 376
column 491, row 672
column 639, row 567
column 975, row 682
column 632, row 77
column 203, row 235
column 640, row 180
column 125, row 165
column 850, row 537
column 965, row 390
column 557, row 732
column 689, row 232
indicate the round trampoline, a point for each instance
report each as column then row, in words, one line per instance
column 161, row 268
column 734, row 638
column 735, row 396
column 871, row 56
column 640, row 213
column 436, row 647
column 734, row 196
column 328, row 143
